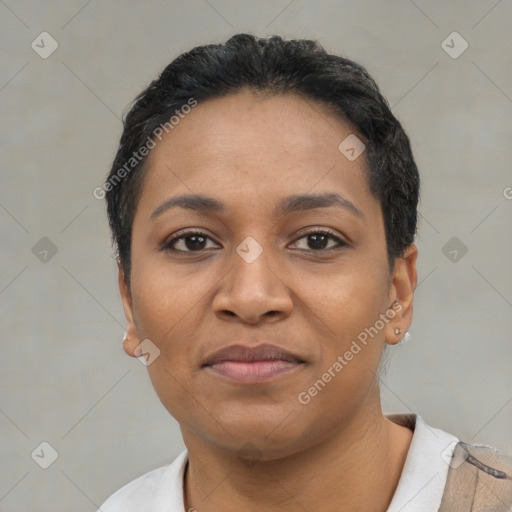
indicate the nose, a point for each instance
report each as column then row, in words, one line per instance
column 253, row 292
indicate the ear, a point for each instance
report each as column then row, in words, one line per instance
column 401, row 294
column 131, row 341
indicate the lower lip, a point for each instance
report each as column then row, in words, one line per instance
column 254, row 371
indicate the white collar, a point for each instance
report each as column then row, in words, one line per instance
column 419, row 489
column 421, row 485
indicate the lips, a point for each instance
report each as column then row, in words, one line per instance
column 251, row 365
column 251, row 354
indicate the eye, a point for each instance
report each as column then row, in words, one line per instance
column 190, row 241
column 318, row 240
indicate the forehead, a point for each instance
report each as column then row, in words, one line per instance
column 255, row 149
column 247, row 121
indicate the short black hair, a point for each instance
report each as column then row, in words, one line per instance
column 276, row 66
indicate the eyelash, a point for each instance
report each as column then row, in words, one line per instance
column 168, row 245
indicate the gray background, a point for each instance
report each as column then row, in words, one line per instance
column 65, row 378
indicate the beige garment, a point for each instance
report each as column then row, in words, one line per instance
column 479, row 480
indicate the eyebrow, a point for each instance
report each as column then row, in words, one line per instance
column 290, row 204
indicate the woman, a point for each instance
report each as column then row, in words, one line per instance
column 263, row 202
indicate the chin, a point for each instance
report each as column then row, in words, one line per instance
column 254, row 436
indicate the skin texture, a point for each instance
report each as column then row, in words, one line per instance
column 256, row 447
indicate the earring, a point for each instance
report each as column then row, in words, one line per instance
column 125, row 335
column 397, row 331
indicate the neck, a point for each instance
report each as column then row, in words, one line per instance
column 356, row 468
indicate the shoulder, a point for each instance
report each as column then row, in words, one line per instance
column 144, row 493
column 483, row 458
column 480, row 477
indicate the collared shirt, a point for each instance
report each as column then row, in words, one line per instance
column 419, row 489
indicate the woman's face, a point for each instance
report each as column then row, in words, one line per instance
column 255, row 277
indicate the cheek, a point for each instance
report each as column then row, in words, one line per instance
column 346, row 372
column 162, row 298
column 351, row 309
column 353, row 301
column 165, row 314
column 169, row 310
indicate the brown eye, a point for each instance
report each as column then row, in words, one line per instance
column 318, row 240
column 193, row 241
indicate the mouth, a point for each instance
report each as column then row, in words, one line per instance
column 252, row 365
